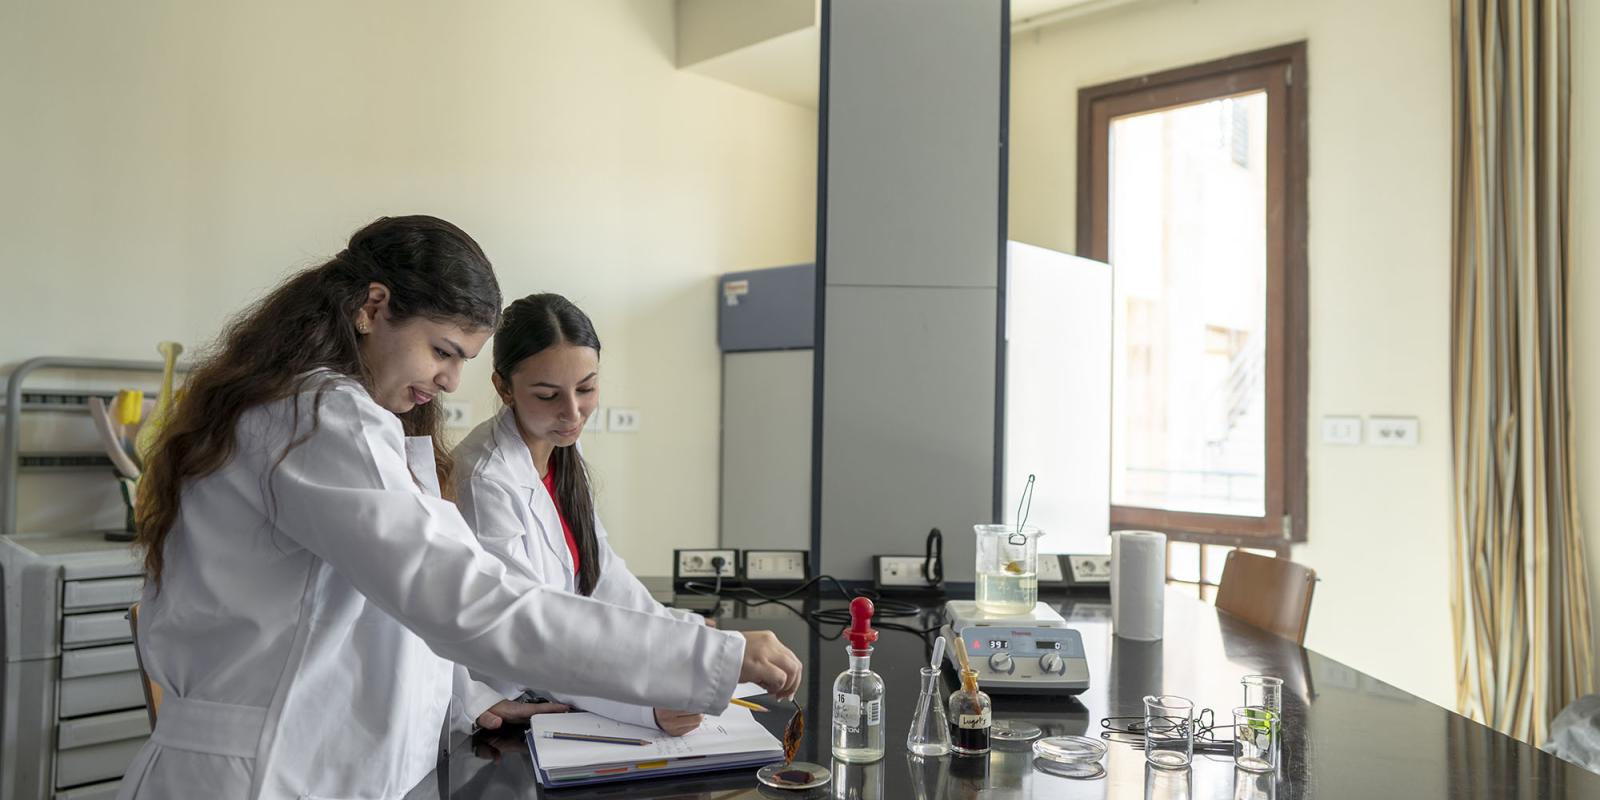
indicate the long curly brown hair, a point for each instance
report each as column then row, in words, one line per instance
column 432, row 269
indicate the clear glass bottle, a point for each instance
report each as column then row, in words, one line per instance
column 858, row 694
column 930, row 732
column 971, row 715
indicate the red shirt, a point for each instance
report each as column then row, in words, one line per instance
column 550, row 485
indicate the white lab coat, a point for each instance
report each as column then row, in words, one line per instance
column 515, row 518
column 303, row 653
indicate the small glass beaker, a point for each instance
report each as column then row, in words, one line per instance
column 1263, row 691
column 1168, row 731
column 1007, row 568
column 1255, row 739
column 930, row 731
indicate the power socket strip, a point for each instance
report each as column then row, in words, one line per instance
column 901, row 574
column 695, row 565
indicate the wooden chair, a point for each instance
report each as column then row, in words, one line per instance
column 1273, row 594
column 152, row 690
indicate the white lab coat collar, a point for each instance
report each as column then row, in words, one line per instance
column 517, row 460
column 513, row 451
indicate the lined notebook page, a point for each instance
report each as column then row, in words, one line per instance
column 733, row 732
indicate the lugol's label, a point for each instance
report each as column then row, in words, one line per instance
column 973, row 721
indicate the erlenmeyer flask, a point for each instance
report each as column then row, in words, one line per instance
column 930, row 730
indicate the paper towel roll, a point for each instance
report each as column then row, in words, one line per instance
column 1138, row 581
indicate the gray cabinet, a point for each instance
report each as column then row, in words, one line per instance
column 766, row 325
column 71, row 707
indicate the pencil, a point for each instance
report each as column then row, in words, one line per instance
column 589, row 737
column 747, row 704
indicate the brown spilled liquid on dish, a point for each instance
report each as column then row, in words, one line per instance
column 798, row 777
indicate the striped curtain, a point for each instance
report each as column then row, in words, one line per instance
column 1519, row 591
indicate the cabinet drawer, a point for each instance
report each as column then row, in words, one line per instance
column 99, row 791
column 101, row 762
column 121, row 592
column 91, row 731
column 98, row 748
column 95, row 694
column 98, row 661
column 107, row 627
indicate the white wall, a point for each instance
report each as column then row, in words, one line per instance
column 165, row 162
column 1379, row 194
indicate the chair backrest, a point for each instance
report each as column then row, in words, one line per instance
column 1270, row 593
column 152, row 690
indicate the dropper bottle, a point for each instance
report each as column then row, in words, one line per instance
column 971, row 712
column 858, row 694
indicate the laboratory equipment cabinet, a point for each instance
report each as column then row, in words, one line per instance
column 73, row 708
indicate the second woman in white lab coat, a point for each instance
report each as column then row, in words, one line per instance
column 305, row 589
column 522, row 484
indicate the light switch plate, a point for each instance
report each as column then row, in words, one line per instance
column 1341, row 430
column 1050, row 570
column 777, row 566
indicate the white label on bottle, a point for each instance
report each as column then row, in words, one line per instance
column 973, row 721
column 847, row 709
column 875, row 713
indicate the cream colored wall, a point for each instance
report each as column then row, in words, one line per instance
column 1584, row 295
column 1379, row 194
column 166, row 162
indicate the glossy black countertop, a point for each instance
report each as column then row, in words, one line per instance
column 1346, row 734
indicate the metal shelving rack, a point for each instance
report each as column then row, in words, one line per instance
column 19, row 400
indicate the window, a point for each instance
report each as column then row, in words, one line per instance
column 1199, row 566
column 1192, row 185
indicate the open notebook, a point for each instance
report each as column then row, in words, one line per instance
column 732, row 739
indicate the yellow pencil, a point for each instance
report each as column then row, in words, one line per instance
column 747, row 704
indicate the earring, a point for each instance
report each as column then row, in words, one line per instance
column 363, row 328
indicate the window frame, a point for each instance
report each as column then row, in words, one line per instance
column 1281, row 73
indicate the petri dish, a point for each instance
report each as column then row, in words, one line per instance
column 1011, row 730
column 1069, row 750
column 794, row 775
column 1079, row 771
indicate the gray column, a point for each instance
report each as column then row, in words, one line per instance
column 911, row 230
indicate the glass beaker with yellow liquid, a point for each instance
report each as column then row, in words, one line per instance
column 1007, row 569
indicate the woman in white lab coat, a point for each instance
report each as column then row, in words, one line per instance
column 523, row 487
column 306, row 593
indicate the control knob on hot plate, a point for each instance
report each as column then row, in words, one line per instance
column 1051, row 663
column 1001, row 662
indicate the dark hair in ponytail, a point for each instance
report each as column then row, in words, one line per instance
column 528, row 327
column 432, row 269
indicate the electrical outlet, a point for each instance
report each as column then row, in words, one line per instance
column 900, row 572
column 1341, row 430
column 1090, row 570
column 457, row 413
column 1393, row 431
column 622, row 420
column 695, row 565
column 777, row 566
